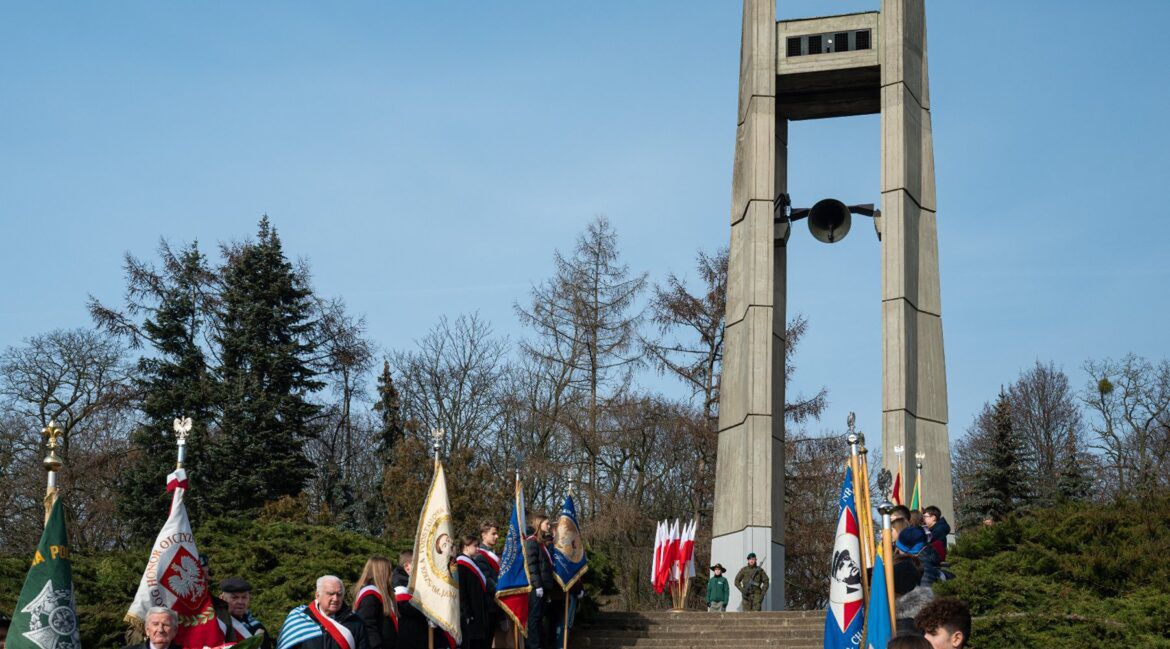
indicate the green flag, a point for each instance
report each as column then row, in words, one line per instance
column 45, row 616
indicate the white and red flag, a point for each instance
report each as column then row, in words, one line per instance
column 687, row 560
column 175, row 579
column 656, row 569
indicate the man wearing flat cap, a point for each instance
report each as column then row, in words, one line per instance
column 239, row 621
column 753, row 583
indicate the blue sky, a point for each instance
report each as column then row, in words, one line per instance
column 428, row 157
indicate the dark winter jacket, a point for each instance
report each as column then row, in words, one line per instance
column 473, row 602
column 381, row 631
column 540, row 566
column 412, row 624
column 937, row 536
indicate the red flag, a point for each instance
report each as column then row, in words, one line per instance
column 898, row 488
column 687, row 562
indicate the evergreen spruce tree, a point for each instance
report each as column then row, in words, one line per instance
column 1000, row 486
column 173, row 382
column 1073, row 483
column 389, row 409
column 266, row 321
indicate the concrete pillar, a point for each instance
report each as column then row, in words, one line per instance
column 749, row 475
column 914, row 397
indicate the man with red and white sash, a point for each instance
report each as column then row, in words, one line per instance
column 324, row 623
column 474, row 623
column 489, row 564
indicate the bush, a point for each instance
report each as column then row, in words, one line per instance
column 1072, row 576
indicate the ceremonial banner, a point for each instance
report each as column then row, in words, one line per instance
column 878, row 625
column 433, row 588
column 174, row 578
column 515, row 583
column 568, row 552
column 845, row 619
column 914, row 504
column 45, row 616
column 897, row 492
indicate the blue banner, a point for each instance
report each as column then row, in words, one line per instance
column 514, row 583
column 568, row 551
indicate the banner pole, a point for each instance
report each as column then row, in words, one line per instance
column 853, row 439
column 565, row 622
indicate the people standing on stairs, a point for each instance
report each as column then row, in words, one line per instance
column 752, row 583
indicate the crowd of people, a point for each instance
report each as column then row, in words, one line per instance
column 920, row 551
column 376, row 611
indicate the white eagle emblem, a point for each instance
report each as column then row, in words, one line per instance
column 185, row 578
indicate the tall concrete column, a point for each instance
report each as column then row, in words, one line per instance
column 749, row 477
column 914, row 398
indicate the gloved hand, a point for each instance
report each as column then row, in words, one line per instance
column 540, row 593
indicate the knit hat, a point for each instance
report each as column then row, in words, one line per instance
column 911, row 540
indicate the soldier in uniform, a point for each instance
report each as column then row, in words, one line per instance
column 752, row 583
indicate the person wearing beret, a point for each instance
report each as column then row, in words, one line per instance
column 240, row 624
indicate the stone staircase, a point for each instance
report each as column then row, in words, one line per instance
column 701, row 630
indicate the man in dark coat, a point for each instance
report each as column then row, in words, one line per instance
column 324, row 623
column 162, row 625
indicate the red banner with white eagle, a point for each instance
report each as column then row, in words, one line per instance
column 175, row 579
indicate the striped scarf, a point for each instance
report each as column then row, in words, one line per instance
column 298, row 627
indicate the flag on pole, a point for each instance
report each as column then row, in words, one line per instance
column 432, row 587
column 45, row 616
column 174, row 578
column 515, row 583
column 897, row 492
column 568, row 551
column 672, row 549
column 845, row 619
column 878, row 625
column 687, row 561
column 914, row 496
column 656, row 566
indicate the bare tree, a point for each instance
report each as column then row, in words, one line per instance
column 1047, row 418
column 451, row 382
column 585, row 326
column 1130, row 405
column 78, row 378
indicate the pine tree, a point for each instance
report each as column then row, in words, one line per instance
column 172, row 382
column 389, row 409
column 1000, row 486
column 266, row 322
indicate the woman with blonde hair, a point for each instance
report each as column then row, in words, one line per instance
column 373, row 601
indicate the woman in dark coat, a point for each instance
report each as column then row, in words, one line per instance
column 474, row 624
column 374, row 603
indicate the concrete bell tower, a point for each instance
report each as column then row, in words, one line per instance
column 816, row 68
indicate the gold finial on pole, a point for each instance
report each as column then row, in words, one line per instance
column 52, row 463
column 182, row 428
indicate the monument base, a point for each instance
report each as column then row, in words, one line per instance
column 731, row 550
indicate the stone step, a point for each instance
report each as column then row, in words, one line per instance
column 701, row 630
